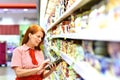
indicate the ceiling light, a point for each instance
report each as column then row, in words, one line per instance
column 5, row 9
column 25, row 10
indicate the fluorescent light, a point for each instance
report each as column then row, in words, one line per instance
column 25, row 9
column 5, row 9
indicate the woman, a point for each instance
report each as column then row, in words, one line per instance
column 28, row 59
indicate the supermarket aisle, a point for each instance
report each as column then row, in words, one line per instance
column 6, row 73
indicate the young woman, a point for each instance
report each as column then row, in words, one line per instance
column 28, row 59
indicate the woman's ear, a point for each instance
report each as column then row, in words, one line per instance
column 29, row 35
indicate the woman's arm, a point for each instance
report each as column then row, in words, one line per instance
column 20, row 72
column 46, row 73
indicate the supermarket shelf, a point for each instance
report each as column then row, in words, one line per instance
column 89, row 73
column 80, row 68
column 74, row 7
column 45, row 2
column 67, row 59
column 57, row 77
column 56, row 50
column 49, row 55
column 52, row 58
column 85, row 70
column 102, row 35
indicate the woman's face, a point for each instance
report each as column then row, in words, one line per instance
column 36, row 38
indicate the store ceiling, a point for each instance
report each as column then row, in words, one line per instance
column 21, row 7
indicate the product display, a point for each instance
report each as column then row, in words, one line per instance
column 81, row 35
column 56, row 62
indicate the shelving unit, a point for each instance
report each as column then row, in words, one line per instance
column 74, row 7
column 88, row 35
column 88, row 73
column 82, row 67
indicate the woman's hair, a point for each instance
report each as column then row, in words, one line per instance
column 33, row 28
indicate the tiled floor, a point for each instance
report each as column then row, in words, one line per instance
column 6, row 73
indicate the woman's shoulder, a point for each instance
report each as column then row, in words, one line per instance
column 19, row 48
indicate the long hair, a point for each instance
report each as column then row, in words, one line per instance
column 33, row 28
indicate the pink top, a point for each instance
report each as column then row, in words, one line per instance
column 22, row 58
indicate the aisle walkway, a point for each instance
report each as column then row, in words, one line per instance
column 6, row 73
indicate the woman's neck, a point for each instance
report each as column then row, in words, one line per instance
column 30, row 45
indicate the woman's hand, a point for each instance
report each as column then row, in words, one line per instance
column 42, row 66
column 45, row 63
column 52, row 66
